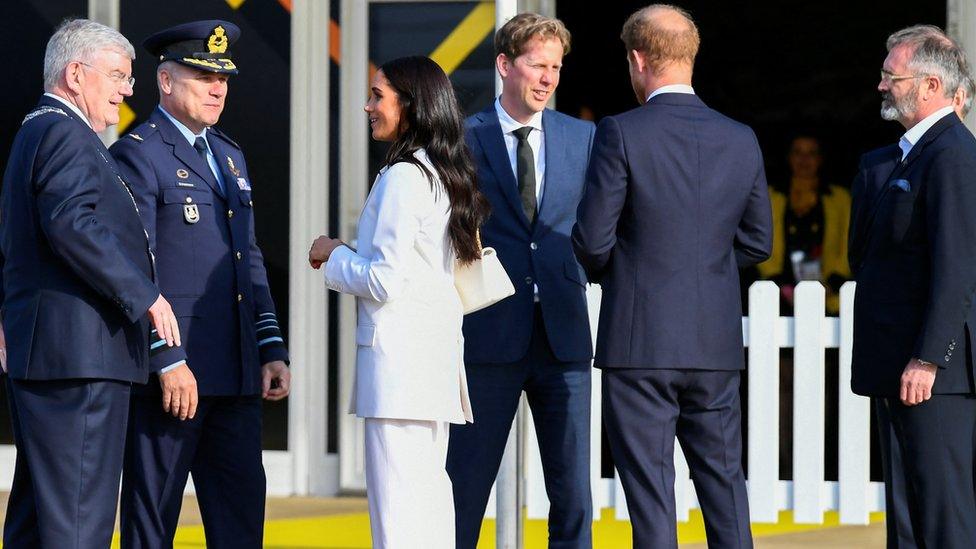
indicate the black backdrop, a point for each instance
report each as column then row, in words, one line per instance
column 780, row 67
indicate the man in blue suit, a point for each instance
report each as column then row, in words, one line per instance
column 192, row 185
column 675, row 203
column 531, row 163
column 76, row 288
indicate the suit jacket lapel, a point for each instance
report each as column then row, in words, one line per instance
column 553, row 197
column 230, row 179
column 489, row 133
column 183, row 150
column 928, row 137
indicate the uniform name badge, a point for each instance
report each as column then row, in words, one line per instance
column 191, row 213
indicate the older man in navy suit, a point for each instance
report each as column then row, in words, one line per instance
column 531, row 163
column 915, row 239
column 76, row 288
column 675, row 203
column 192, row 185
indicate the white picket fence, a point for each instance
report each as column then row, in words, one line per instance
column 764, row 333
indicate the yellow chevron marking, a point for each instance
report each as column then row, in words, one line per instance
column 235, row 3
column 126, row 117
column 470, row 32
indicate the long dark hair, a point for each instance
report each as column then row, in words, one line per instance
column 430, row 119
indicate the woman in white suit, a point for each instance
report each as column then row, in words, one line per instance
column 420, row 218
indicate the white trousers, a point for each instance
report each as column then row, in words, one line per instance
column 411, row 502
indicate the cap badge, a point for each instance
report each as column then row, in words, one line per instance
column 217, row 43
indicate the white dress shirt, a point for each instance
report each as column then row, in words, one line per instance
column 907, row 141
column 70, row 106
column 672, row 88
column 536, row 141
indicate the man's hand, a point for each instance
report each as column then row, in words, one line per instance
column 179, row 392
column 275, row 370
column 3, row 350
column 163, row 319
column 917, row 381
column 321, row 249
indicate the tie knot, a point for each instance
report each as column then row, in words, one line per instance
column 522, row 133
column 201, row 146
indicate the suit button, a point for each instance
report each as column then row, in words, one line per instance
column 230, row 213
column 239, row 255
column 947, row 358
column 528, row 280
column 533, row 246
column 240, row 297
column 189, row 200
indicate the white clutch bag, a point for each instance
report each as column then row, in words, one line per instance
column 483, row 282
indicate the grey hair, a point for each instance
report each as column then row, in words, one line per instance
column 970, row 86
column 80, row 40
column 933, row 54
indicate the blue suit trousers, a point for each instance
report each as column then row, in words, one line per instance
column 70, row 436
column 559, row 396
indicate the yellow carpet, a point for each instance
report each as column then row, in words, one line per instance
column 352, row 532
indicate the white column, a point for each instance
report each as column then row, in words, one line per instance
column 961, row 25
column 309, row 217
column 354, row 178
column 106, row 12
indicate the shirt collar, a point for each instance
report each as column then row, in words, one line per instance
column 71, row 106
column 911, row 137
column 672, row 88
column 509, row 124
column 189, row 135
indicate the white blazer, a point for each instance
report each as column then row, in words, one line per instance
column 409, row 355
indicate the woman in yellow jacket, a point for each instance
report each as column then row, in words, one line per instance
column 810, row 226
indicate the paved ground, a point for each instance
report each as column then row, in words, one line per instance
column 846, row 537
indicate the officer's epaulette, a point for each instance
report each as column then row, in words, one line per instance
column 224, row 137
column 142, row 132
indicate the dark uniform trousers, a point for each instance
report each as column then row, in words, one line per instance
column 164, row 450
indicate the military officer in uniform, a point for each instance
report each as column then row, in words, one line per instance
column 192, row 186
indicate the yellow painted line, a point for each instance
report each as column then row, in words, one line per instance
column 235, row 3
column 352, row 531
column 470, row 32
column 126, row 117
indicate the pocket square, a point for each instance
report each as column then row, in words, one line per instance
column 902, row 184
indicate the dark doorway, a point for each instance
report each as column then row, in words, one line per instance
column 780, row 67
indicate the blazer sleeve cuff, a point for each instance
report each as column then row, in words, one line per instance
column 333, row 267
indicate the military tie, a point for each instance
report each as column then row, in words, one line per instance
column 200, row 144
column 525, row 172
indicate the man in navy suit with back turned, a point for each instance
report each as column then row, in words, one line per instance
column 77, row 285
column 913, row 241
column 675, row 203
column 193, row 187
column 531, row 163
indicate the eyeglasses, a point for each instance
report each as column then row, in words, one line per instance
column 889, row 77
column 115, row 76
